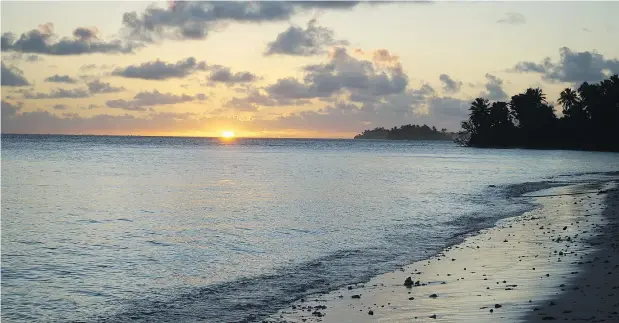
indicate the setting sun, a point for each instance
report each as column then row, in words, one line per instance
column 227, row 134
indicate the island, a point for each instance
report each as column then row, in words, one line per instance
column 407, row 132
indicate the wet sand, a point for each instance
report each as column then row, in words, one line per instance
column 558, row 262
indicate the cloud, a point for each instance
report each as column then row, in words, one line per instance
column 253, row 99
column 494, row 88
column 43, row 41
column 411, row 106
column 449, row 107
column 296, row 41
column 449, row 85
column 88, row 67
column 573, row 67
column 97, row 86
column 58, row 94
column 194, row 20
column 60, row 79
column 159, row 70
column 59, row 107
column 148, row 99
column 85, row 33
column 48, row 123
column 33, row 58
column 9, row 109
column 12, row 76
column 513, row 18
column 90, row 107
column 222, row 74
column 25, row 58
column 240, row 105
column 364, row 80
column 419, row 106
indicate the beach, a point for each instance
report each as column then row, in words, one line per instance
column 557, row 262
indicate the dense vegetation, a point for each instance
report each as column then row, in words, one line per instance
column 590, row 120
column 406, row 132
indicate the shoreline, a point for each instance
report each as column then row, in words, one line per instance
column 460, row 275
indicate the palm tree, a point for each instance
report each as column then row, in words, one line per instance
column 480, row 109
column 569, row 100
column 499, row 114
column 537, row 95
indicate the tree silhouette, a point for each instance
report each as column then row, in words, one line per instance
column 571, row 103
column 590, row 119
column 406, row 132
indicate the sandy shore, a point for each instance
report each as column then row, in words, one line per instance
column 558, row 262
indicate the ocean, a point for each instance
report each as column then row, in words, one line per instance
column 163, row 229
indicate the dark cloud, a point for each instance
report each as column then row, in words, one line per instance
column 449, row 107
column 43, row 41
column 573, row 67
column 524, row 67
column 85, row 33
column 222, row 74
column 364, row 80
column 494, row 88
column 148, row 99
column 291, row 88
column 60, row 79
column 12, row 76
column 449, row 85
column 58, row 94
column 296, row 41
column 159, row 70
column 513, row 18
column 124, row 105
column 194, row 20
column 59, row 107
column 97, row 86
column 9, row 109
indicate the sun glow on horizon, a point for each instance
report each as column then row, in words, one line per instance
column 227, row 134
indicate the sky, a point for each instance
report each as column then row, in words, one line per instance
column 314, row 69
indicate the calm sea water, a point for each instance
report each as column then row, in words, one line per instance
column 193, row 229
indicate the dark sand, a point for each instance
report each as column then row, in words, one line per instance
column 593, row 295
column 558, row 262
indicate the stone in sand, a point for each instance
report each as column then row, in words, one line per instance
column 433, row 296
column 408, row 282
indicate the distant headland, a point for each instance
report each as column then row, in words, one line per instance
column 407, row 132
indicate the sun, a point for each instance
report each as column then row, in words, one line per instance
column 227, row 134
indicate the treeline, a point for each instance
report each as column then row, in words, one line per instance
column 406, row 132
column 590, row 120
